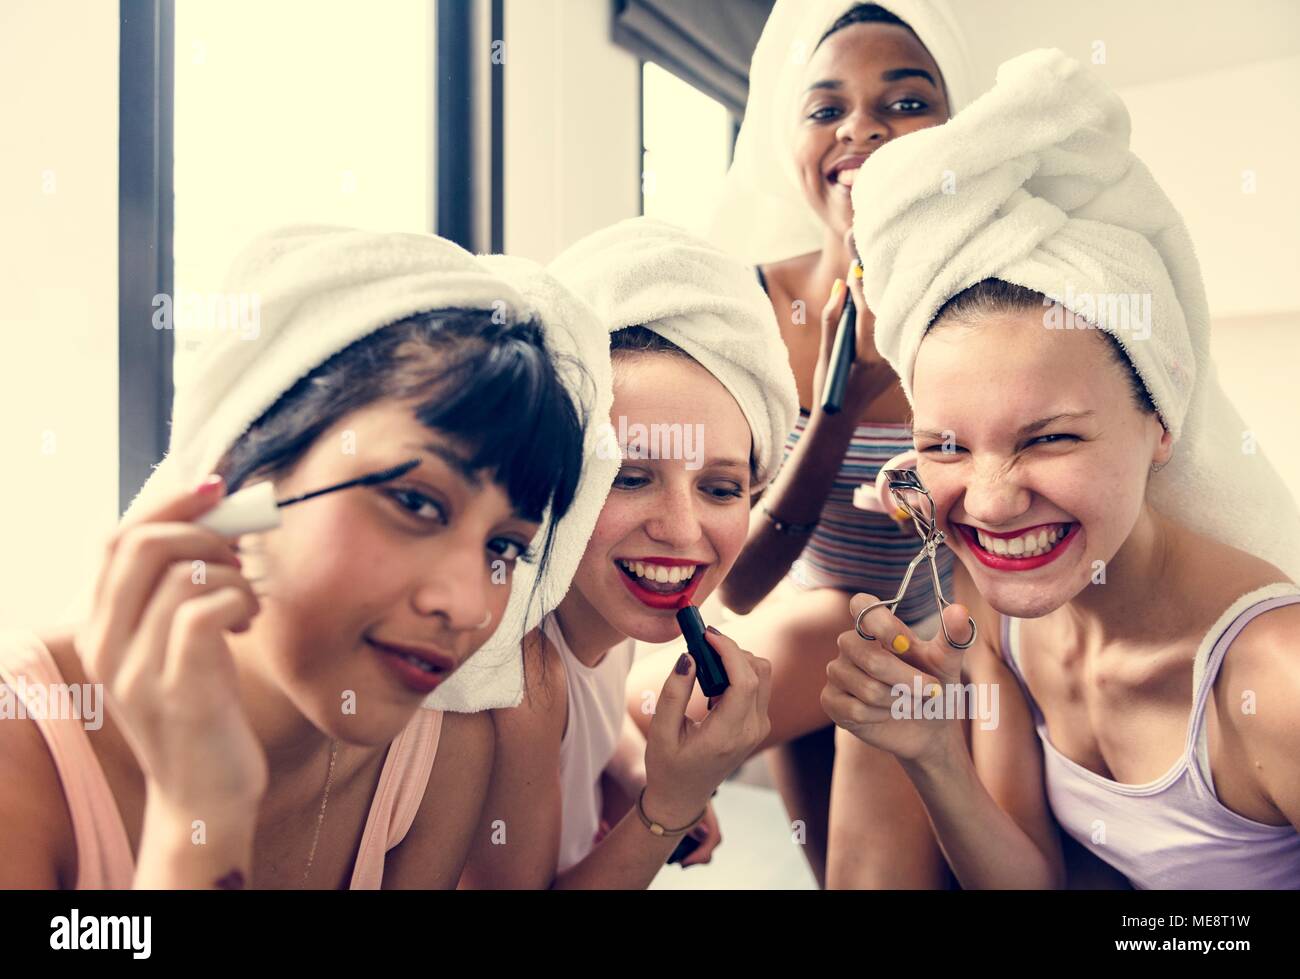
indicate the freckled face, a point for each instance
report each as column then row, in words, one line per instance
column 865, row 85
column 1047, row 456
column 419, row 562
column 688, row 509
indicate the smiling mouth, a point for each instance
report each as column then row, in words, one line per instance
column 1035, row 542
column 428, row 663
column 844, row 178
column 845, row 172
column 659, row 578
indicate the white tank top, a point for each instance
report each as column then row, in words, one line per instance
column 1172, row 833
column 597, row 706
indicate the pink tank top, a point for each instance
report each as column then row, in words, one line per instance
column 104, row 857
column 1172, row 833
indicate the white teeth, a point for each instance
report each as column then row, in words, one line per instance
column 422, row 664
column 1027, row 545
column 661, row 572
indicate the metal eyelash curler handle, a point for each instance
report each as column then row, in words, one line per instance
column 900, row 481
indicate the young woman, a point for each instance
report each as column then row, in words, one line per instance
column 865, row 78
column 1145, row 658
column 668, row 533
column 264, row 723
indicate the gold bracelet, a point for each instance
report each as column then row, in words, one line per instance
column 658, row 828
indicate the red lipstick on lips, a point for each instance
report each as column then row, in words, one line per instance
column 654, row 599
column 1000, row 563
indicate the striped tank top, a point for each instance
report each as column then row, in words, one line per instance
column 861, row 551
column 857, row 550
column 1172, row 833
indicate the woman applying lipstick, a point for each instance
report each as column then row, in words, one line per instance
column 1136, row 601
column 831, row 83
column 265, row 722
column 671, row 527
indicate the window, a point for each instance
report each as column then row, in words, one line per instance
column 687, row 149
column 295, row 111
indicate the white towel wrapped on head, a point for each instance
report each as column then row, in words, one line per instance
column 1034, row 184
column 643, row 272
column 322, row 288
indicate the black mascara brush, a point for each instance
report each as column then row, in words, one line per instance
column 256, row 508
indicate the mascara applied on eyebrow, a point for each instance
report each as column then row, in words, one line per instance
column 256, row 508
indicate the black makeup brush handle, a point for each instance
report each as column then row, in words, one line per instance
column 842, row 354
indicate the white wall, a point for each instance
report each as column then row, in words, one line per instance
column 572, row 130
column 1203, row 136
column 1206, row 137
column 58, row 318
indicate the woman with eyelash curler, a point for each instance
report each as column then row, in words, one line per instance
column 390, row 444
column 589, row 800
column 1133, row 569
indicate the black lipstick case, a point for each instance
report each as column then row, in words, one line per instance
column 708, row 665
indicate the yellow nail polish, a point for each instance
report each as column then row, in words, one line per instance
column 901, row 645
column 900, row 514
column 933, row 690
column 858, row 271
column 837, row 291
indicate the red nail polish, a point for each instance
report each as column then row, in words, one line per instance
column 209, row 485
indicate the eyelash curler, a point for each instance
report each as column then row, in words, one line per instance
column 901, row 483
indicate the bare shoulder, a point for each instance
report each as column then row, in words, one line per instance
column 1255, row 695
column 542, row 712
column 1260, row 675
column 38, row 845
column 434, row 850
column 466, row 736
column 466, row 747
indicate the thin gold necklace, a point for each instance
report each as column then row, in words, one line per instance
column 320, row 818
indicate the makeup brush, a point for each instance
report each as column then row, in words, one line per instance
column 842, row 353
column 256, row 508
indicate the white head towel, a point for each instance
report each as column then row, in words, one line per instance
column 1034, row 184
column 761, row 215
column 643, row 272
column 321, row 289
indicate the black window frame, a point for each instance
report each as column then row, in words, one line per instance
column 146, row 46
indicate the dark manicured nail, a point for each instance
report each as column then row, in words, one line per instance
column 709, row 628
column 683, row 665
